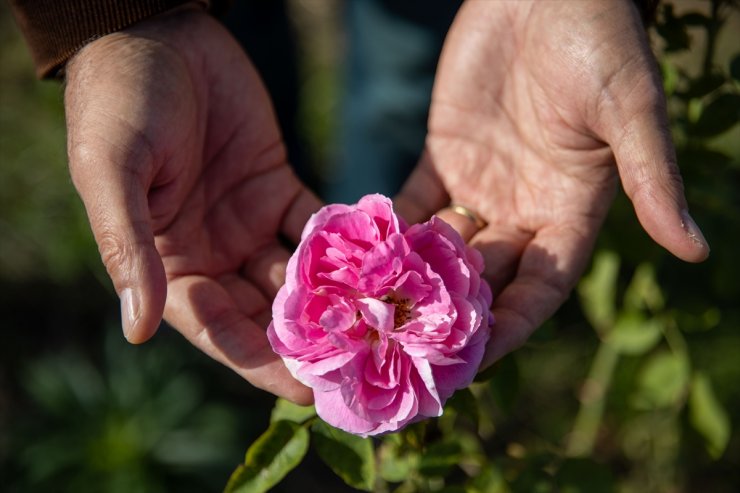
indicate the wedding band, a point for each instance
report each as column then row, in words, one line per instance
column 464, row 211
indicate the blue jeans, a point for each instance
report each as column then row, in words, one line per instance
column 392, row 53
column 391, row 60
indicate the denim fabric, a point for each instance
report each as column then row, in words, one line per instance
column 393, row 48
column 387, row 76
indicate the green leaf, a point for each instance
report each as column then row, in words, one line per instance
column 694, row 110
column 708, row 417
column 735, row 67
column 396, row 461
column 701, row 157
column 414, row 435
column 273, row 455
column 464, row 404
column 697, row 319
column 598, row 291
column 633, row 334
column 439, row 458
column 486, row 374
column 718, row 116
column 703, row 85
column 662, row 382
column 695, row 19
column 351, row 457
column 505, row 384
column 643, row 291
column 285, row 410
column 673, row 31
column 533, row 479
column 584, row 476
column 670, row 77
column 455, row 488
column 489, row 480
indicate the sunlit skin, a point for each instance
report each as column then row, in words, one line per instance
column 174, row 149
column 538, row 110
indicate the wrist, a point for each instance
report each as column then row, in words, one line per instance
column 55, row 31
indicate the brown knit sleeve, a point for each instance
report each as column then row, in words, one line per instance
column 56, row 29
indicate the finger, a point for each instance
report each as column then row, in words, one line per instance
column 500, row 245
column 298, row 213
column 248, row 299
column 653, row 183
column 205, row 313
column 422, row 195
column 266, row 269
column 115, row 199
column 463, row 224
column 637, row 130
column 501, row 248
column 548, row 270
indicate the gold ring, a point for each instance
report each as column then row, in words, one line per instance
column 464, row 211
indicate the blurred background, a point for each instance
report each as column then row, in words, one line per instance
column 632, row 386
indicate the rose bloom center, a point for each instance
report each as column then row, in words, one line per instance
column 401, row 313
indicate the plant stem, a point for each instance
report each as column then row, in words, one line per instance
column 593, row 396
column 712, row 29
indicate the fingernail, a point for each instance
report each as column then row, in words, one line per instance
column 129, row 311
column 692, row 230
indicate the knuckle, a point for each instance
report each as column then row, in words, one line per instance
column 115, row 253
column 80, row 156
column 129, row 159
column 119, row 249
column 673, row 175
column 666, row 181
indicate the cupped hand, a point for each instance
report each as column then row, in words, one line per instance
column 538, row 109
column 175, row 151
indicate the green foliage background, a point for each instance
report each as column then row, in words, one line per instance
column 631, row 387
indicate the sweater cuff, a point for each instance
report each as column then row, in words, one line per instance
column 56, row 30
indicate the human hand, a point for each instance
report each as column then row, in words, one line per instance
column 534, row 103
column 175, row 151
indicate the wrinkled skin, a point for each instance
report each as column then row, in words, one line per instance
column 538, row 109
column 175, row 151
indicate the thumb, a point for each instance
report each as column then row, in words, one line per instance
column 114, row 195
column 640, row 138
column 423, row 193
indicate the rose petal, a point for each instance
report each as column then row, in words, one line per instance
column 338, row 316
column 380, row 208
column 376, row 313
column 383, row 321
column 332, row 409
column 381, row 262
column 319, row 218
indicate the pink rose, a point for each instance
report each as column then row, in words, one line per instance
column 383, row 321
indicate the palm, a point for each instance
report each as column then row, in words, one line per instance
column 522, row 118
column 217, row 186
column 521, row 136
